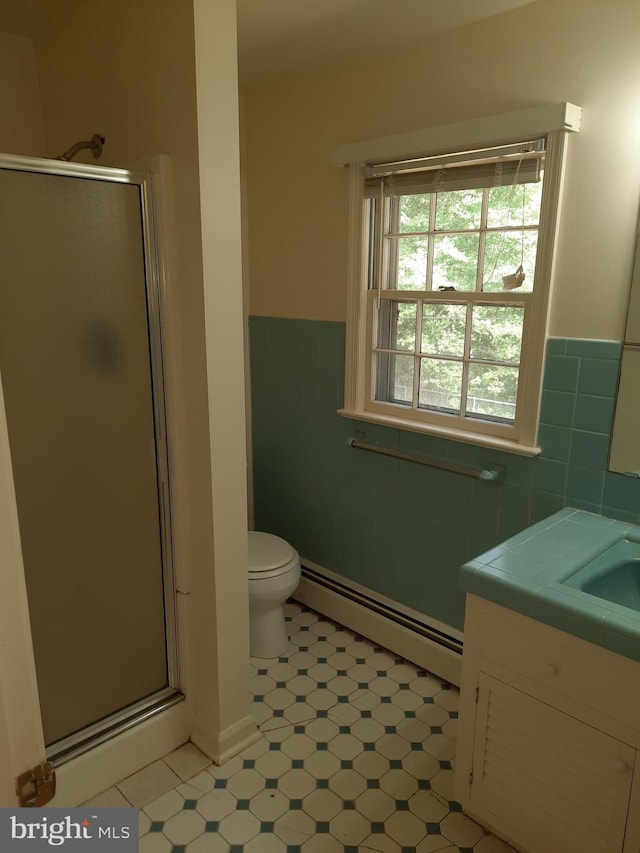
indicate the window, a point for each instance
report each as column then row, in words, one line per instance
column 451, row 272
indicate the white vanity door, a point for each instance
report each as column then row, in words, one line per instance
column 545, row 779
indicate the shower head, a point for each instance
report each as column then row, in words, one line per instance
column 95, row 144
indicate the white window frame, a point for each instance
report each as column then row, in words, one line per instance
column 553, row 122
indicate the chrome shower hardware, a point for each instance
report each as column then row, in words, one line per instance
column 95, row 144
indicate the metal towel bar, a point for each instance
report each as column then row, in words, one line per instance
column 478, row 473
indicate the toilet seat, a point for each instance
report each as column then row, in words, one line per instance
column 269, row 555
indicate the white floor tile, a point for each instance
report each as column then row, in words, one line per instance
column 265, row 844
column 345, row 747
column 148, row 784
column 245, row 784
column 367, row 730
column 184, row 827
column 461, row 830
column 323, row 628
column 202, row 782
column 399, row 784
column 348, row 784
column 322, row 729
column 322, row 844
column 322, row 805
column 187, row 761
column 155, row 842
column 381, row 844
column 405, row 828
column 239, row 827
column 435, row 844
column 165, row 806
column 300, row 712
column 144, row 822
column 375, row 805
column 110, row 799
column 216, row 805
column 269, row 805
column 426, row 806
column 344, row 713
column 224, row 771
column 296, row 784
column 447, row 699
column 322, row 765
column 210, row 842
column 491, row 844
column 273, row 765
column 371, row 765
column 295, row 827
column 350, row 828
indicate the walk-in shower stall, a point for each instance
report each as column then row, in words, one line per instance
column 81, row 367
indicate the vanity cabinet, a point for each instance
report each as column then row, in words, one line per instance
column 548, row 736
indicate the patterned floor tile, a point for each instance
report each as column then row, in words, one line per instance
column 358, row 754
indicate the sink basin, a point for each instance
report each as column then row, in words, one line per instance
column 613, row 576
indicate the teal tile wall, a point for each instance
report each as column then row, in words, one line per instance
column 404, row 529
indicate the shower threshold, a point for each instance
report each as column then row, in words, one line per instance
column 76, row 744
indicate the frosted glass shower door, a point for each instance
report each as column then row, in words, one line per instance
column 78, row 387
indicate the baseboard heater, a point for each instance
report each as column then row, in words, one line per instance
column 425, row 630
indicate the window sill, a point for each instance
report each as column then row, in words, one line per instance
column 478, row 439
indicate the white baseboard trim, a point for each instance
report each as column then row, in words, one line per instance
column 229, row 742
column 103, row 766
column 379, row 626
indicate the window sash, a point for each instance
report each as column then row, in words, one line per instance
column 414, row 411
column 519, row 439
column 385, row 239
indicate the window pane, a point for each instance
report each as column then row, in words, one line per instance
column 408, row 263
column 397, row 325
column 455, row 261
column 491, row 393
column 443, row 327
column 503, row 254
column 394, row 378
column 440, row 385
column 458, row 210
column 414, row 212
column 496, row 332
column 514, row 205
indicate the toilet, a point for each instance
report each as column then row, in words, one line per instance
column 274, row 573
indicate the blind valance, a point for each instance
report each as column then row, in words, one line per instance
column 493, row 167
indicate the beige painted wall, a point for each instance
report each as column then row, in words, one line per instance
column 20, row 115
column 582, row 51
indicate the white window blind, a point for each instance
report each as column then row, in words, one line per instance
column 492, row 167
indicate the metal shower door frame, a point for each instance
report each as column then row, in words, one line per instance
column 76, row 743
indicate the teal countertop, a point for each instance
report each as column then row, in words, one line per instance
column 526, row 574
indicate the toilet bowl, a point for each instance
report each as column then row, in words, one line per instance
column 274, row 573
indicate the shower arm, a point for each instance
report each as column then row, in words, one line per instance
column 95, row 144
